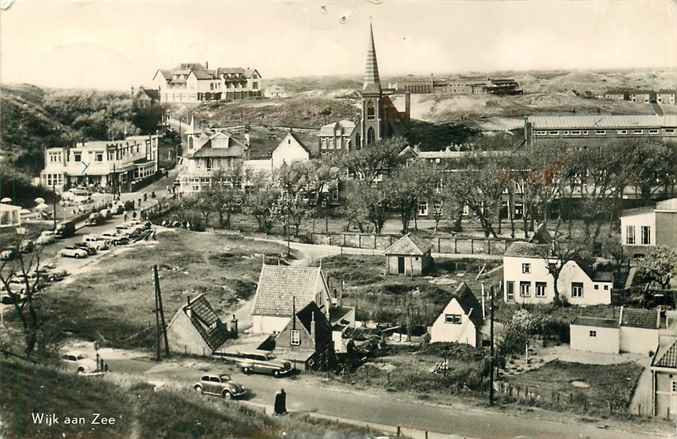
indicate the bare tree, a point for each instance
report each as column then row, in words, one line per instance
column 20, row 277
column 556, row 256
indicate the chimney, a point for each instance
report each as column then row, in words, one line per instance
column 188, row 301
column 206, row 64
column 312, row 327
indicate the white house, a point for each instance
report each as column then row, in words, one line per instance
column 290, row 149
column 10, row 215
column 634, row 331
column 526, row 278
column 460, row 321
column 646, row 227
column 281, row 289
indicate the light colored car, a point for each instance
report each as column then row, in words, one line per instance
column 73, row 252
column 46, row 237
column 219, row 385
column 79, row 362
column 98, row 243
column 115, row 238
column 8, row 254
column 268, row 366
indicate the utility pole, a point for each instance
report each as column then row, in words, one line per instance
column 491, row 335
column 54, row 204
column 161, row 309
column 157, row 326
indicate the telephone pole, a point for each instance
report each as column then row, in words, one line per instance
column 157, row 326
column 491, row 335
column 158, row 294
column 54, row 204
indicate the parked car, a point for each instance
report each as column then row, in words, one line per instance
column 106, row 213
column 6, row 299
column 57, row 275
column 220, row 385
column 95, row 219
column 8, row 254
column 115, row 238
column 79, row 362
column 46, row 237
column 91, row 251
column 73, row 252
column 26, row 246
column 96, row 242
column 269, row 366
column 65, row 229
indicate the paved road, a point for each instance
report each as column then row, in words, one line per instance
column 312, row 394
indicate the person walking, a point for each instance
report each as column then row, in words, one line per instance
column 280, row 407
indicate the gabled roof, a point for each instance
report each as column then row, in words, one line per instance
column 603, row 121
column 323, row 331
column 640, row 318
column 409, row 244
column 667, row 353
column 300, row 142
column 346, row 126
column 203, row 74
column 206, row 321
column 465, row 297
column 208, row 151
column 278, row 284
column 527, row 249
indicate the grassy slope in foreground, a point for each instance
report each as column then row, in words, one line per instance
column 139, row 411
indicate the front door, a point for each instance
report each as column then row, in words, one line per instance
column 400, row 264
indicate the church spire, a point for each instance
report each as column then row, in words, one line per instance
column 372, row 82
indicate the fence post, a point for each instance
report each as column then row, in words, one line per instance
column 472, row 246
column 374, row 241
column 359, row 240
column 455, row 245
column 439, row 247
column 398, row 431
column 489, row 246
column 344, row 239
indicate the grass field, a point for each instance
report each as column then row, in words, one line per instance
column 608, row 384
column 386, row 298
column 138, row 410
column 113, row 301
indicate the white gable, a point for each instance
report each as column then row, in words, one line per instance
column 288, row 151
column 453, row 325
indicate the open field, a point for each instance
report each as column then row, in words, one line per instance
column 112, row 302
column 138, row 410
column 607, row 386
column 386, row 298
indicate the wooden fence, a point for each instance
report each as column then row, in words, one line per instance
column 441, row 244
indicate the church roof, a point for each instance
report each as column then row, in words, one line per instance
column 372, row 81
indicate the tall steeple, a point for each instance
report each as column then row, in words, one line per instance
column 372, row 81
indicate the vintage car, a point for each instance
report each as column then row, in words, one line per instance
column 266, row 366
column 219, row 385
column 73, row 252
column 78, row 362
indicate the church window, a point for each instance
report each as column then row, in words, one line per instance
column 371, row 110
column 370, row 136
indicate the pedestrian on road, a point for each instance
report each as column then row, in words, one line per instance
column 124, row 217
column 280, row 406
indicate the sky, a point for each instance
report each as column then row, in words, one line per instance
column 113, row 44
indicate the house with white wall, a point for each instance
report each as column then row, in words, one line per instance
column 644, row 228
column 633, row 331
column 460, row 321
column 526, row 278
column 282, row 289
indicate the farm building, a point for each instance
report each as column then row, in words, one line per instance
column 409, row 255
column 196, row 329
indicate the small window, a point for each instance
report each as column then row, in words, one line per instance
column 622, row 131
column 653, row 132
column 576, row 289
column 606, row 287
column 600, row 132
column 593, row 333
column 525, row 289
column 454, row 319
column 637, row 131
column 575, row 133
column 669, row 130
column 540, row 289
column 77, row 156
column 596, row 287
column 553, row 133
column 99, row 156
column 674, row 386
column 630, row 235
column 510, row 291
column 645, row 235
column 526, row 268
column 295, row 337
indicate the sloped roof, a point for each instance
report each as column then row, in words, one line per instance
column 409, row 244
column 208, row 151
column 666, row 355
column 603, row 121
column 595, row 322
column 469, row 303
column 527, row 249
column 206, row 321
column 640, row 318
column 323, row 331
column 347, row 126
column 541, row 235
column 151, row 93
column 203, row 74
column 601, row 276
column 278, row 284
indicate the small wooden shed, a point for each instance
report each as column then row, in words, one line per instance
column 410, row 255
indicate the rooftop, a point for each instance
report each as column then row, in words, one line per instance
column 595, row 322
column 640, row 318
column 409, row 244
column 469, row 303
column 667, row 353
column 603, row 121
column 281, row 287
column 528, row 249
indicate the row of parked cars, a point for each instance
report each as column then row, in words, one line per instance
column 37, row 279
column 121, row 235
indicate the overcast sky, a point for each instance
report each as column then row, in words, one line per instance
column 117, row 43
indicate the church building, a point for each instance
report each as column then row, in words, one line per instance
column 379, row 118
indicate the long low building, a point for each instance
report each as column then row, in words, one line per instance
column 108, row 164
column 543, row 130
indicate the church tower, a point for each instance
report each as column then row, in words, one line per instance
column 372, row 121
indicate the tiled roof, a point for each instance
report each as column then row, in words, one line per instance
column 278, row 284
column 603, row 121
column 602, row 276
column 528, row 249
column 203, row 74
column 595, row 322
column 206, row 322
column 210, row 152
column 409, row 244
column 640, row 318
column 469, row 303
column 666, row 355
